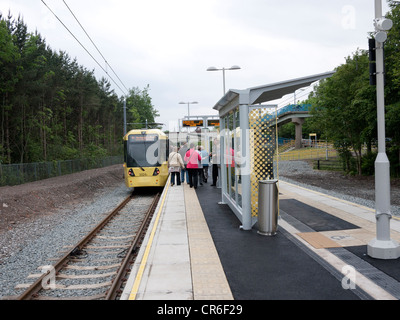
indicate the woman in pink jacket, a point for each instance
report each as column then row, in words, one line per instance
column 193, row 159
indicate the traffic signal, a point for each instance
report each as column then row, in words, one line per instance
column 372, row 62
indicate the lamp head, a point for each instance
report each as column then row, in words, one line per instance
column 235, row 68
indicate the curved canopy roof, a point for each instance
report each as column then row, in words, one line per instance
column 268, row 92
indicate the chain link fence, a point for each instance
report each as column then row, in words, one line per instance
column 15, row 174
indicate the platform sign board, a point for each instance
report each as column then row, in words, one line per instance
column 192, row 123
column 213, row 123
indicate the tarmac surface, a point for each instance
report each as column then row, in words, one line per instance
column 195, row 250
column 265, row 268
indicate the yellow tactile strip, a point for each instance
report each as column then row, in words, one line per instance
column 351, row 237
column 208, row 277
column 318, row 240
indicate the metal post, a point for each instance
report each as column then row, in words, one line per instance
column 125, row 132
column 247, row 220
column 223, row 71
column 382, row 247
column 222, row 177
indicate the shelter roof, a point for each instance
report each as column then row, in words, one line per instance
column 268, row 92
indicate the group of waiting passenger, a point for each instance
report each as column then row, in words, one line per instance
column 191, row 163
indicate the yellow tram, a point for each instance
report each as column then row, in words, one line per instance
column 146, row 158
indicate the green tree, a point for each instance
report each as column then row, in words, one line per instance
column 52, row 108
column 9, row 76
column 140, row 108
column 392, row 87
column 392, row 56
column 344, row 107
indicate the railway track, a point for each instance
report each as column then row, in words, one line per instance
column 96, row 267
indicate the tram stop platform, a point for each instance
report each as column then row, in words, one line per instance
column 195, row 250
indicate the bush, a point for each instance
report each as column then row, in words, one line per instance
column 394, row 158
column 368, row 164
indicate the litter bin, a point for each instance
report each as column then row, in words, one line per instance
column 268, row 207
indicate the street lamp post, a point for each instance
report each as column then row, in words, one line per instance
column 125, row 132
column 382, row 247
column 223, row 72
column 188, row 104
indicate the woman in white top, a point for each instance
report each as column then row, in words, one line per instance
column 175, row 163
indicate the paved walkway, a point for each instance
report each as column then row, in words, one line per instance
column 180, row 261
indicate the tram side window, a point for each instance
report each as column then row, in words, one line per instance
column 164, row 151
column 126, row 151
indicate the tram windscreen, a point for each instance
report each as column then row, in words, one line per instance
column 142, row 151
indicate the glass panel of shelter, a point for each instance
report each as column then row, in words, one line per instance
column 262, row 147
column 238, row 157
column 233, row 156
column 230, row 156
column 224, row 152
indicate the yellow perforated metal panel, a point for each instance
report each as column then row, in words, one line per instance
column 262, row 147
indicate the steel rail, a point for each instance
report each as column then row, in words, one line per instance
column 38, row 285
column 114, row 290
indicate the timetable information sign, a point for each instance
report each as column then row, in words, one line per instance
column 213, row 123
column 192, row 123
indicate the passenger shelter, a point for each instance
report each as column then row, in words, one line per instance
column 248, row 142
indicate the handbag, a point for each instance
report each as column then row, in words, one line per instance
column 174, row 169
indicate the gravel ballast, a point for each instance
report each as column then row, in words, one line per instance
column 44, row 238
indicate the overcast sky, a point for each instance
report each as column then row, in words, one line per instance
column 169, row 44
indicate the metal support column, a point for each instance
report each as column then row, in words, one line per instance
column 222, row 173
column 382, row 247
column 245, row 167
column 125, row 132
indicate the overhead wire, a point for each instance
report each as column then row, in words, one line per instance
column 73, row 35
column 285, row 101
column 98, row 50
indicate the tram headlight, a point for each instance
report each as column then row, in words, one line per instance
column 131, row 173
column 156, row 172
